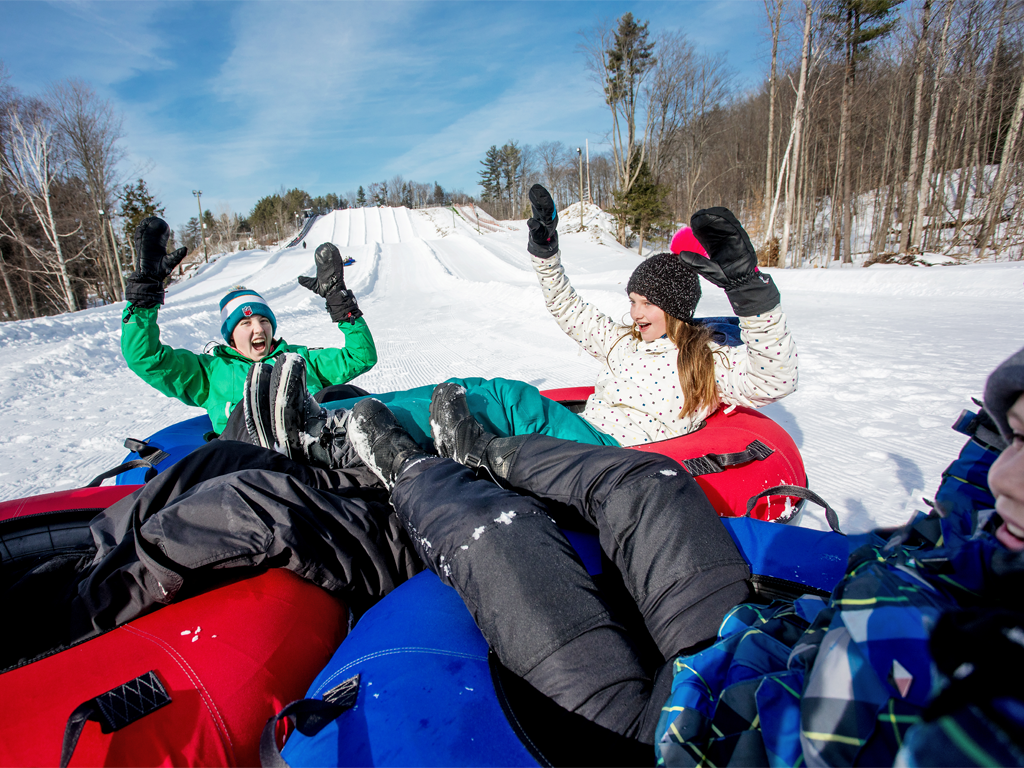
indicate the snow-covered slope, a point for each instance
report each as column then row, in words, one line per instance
column 888, row 355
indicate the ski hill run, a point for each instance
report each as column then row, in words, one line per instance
column 889, row 355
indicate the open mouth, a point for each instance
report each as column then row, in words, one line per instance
column 1011, row 536
column 643, row 326
column 259, row 345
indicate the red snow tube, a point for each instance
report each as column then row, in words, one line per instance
column 730, row 482
column 229, row 660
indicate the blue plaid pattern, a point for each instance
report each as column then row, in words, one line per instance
column 850, row 681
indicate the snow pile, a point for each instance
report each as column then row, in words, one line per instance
column 888, row 355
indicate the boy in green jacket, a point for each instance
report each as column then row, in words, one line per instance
column 216, row 381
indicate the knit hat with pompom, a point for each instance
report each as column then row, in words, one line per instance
column 668, row 284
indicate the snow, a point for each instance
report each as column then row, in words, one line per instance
column 889, row 355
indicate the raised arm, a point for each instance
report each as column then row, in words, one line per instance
column 765, row 368
column 358, row 353
column 584, row 323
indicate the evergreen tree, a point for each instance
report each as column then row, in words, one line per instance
column 361, row 198
column 491, row 175
column 643, row 207
column 136, row 204
column 626, row 65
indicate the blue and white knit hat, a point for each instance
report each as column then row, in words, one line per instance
column 240, row 303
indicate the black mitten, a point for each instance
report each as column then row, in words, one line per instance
column 330, row 283
column 731, row 262
column 153, row 264
column 543, row 241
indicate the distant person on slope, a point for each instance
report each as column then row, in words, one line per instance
column 216, row 381
column 664, row 374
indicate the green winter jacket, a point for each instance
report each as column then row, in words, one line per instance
column 216, row 381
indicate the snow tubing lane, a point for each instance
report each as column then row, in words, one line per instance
column 229, row 659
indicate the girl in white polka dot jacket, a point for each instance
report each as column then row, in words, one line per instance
column 665, row 374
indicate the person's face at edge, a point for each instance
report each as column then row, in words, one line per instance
column 1006, row 481
column 252, row 337
column 650, row 319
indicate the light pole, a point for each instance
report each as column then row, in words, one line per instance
column 579, row 155
column 199, row 194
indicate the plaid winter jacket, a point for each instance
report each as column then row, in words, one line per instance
column 915, row 658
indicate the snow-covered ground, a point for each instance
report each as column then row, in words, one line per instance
column 888, row 355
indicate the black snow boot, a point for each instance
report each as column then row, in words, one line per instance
column 458, row 435
column 380, row 441
column 301, row 428
column 257, row 405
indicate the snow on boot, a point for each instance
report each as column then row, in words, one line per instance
column 256, row 405
column 457, row 434
column 298, row 419
column 380, row 441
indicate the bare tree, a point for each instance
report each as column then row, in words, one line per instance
column 797, row 132
column 932, row 135
column 773, row 10
column 32, row 166
column 91, row 129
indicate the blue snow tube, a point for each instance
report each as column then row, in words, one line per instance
column 177, row 441
column 425, row 691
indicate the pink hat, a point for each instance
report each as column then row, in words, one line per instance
column 683, row 240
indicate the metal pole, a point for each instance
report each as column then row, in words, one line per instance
column 590, row 198
column 579, row 155
column 202, row 234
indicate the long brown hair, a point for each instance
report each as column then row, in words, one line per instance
column 695, row 362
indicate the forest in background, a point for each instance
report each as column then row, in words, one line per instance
column 881, row 131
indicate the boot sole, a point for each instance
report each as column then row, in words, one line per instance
column 443, row 418
column 257, row 403
column 288, row 388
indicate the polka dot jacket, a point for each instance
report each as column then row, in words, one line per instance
column 637, row 397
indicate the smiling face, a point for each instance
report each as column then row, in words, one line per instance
column 650, row 320
column 253, row 337
column 1006, row 481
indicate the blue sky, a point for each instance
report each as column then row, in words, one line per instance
column 240, row 99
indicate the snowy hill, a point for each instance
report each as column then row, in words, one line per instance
column 888, row 355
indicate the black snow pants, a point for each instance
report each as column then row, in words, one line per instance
column 226, row 510
column 530, row 594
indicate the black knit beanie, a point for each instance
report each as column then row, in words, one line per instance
column 668, row 284
column 1005, row 384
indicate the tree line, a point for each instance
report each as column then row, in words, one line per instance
column 277, row 214
column 882, row 129
column 66, row 210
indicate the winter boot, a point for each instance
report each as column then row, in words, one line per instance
column 459, row 436
column 380, row 441
column 301, row 429
column 256, row 405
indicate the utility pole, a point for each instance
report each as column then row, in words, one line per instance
column 579, row 155
column 590, row 198
column 202, row 227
